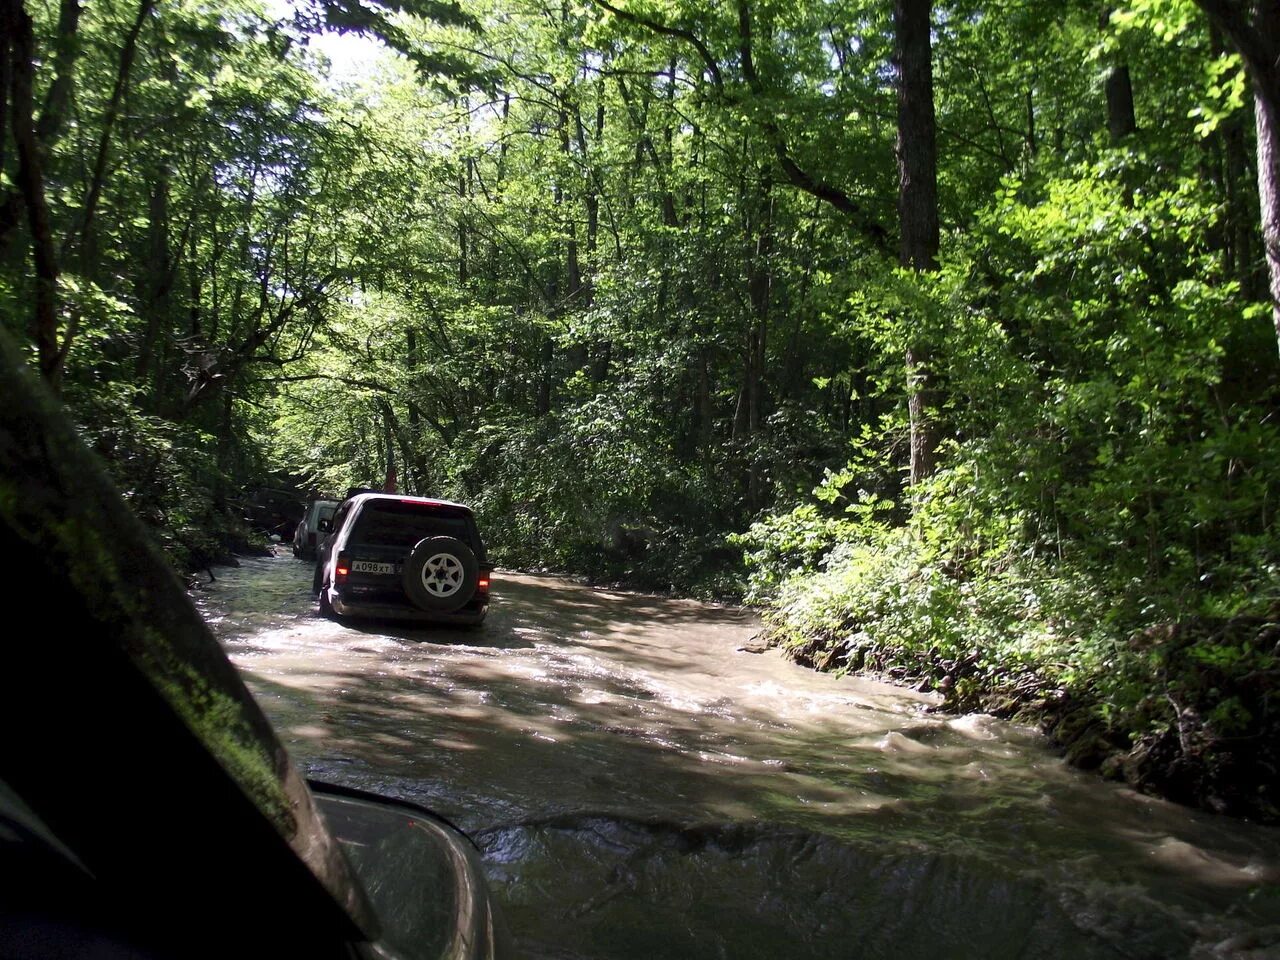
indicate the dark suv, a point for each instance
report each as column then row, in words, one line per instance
column 407, row 558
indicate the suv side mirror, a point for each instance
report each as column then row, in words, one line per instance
column 324, row 525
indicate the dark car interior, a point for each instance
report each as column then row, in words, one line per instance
column 395, row 524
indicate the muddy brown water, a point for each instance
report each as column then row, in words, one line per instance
column 643, row 785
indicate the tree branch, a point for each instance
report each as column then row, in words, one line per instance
column 797, row 175
column 668, row 31
column 127, row 52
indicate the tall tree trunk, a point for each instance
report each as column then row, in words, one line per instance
column 1266, row 112
column 603, row 348
column 1121, row 120
column 464, row 237
column 1241, row 225
column 592, row 191
column 19, row 39
column 542, row 405
column 1031, row 122
column 411, row 445
column 501, row 172
column 391, row 483
column 411, row 365
column 155, row 282
column 568, row 226
column 918, row 211
column 759, row 291
column 465, row 172
column 1236, row 233
column 1253, row 26
column 57, row 99
column 53, row 114
column 665, row 165
column 225, row 450
column 195, row 293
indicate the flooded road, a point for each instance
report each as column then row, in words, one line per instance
column 645, row 786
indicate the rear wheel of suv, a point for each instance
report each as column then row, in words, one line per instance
column 440, row 574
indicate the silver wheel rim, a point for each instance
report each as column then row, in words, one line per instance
column 442, row 575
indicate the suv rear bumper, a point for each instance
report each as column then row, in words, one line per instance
column 347, row 607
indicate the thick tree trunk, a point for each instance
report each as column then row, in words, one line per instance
column 1121, row 119
column 917, row 161
column 53, row 115
column 1031, row 122
column 1266, row 113
column 20, row 39
column 918, row 211
column 1253, row 26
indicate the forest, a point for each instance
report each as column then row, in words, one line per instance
column 945, row 331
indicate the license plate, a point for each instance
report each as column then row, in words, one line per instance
column 371, row 566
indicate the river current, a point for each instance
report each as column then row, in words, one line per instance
column 645, row 783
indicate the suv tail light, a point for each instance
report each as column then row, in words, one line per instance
column 341, row 569
column 482, row 585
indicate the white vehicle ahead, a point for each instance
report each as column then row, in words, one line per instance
column 307, row 536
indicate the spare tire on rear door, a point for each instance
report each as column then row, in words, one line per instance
column 441, row 574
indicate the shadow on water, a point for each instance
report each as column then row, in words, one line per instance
column 433, row 633
column 642, row 789
column 634, row 889
column 578, row 607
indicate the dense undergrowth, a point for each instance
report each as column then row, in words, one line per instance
column 194, row 506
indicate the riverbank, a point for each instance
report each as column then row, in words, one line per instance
column 1183, row 710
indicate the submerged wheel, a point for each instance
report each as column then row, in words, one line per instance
column 441, row 574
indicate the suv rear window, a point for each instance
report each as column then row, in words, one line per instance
column 395, row 524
